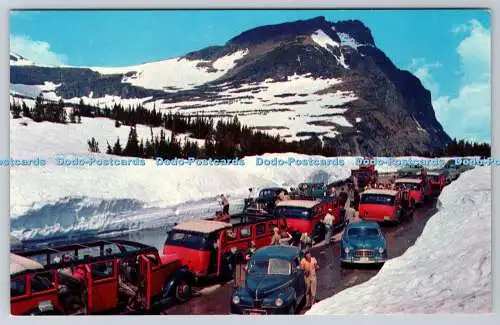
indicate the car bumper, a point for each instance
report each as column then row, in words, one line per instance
column 359, row 260
column 264, row 310
column 379, row 219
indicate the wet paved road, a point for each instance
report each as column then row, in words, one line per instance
column 331, row 277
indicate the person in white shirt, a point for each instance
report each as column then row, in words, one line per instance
column 328, row 221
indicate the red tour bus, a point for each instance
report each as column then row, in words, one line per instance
column 33, row 289
column 306, row 216
column 437, row 181
column 103, row 276
column 381, row 205
column 417, row 189
column 206, row 247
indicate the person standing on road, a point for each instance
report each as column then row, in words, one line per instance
column 333, row 192
column 356, row 199
column 275, row 240
column 351, row 215
column 306, row 241
column 251, row 250
column 225, row 204
column 310, row 265
column 328, row 222
column 285, row 238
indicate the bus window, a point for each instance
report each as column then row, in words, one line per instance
column 260, row 229
column 18, row 286
column 102, row 270
column 245, row 232
column 42, row 282
column 230, row 235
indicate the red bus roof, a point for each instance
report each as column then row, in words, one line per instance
column 409, row 180
column 298, row 203
column 203, row 226
column 20, row 264
column 380, row 191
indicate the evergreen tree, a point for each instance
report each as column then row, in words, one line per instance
column 117, row 148
column 109, row 150
column 16, row 110
column 94, row 145
column 72, row 115
column 132, row 147
column 26, row 111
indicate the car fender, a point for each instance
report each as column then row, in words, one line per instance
column 170, row 283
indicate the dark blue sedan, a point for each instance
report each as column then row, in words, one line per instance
column 274, row 283
column 363, row 243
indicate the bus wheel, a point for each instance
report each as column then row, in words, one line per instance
column 183, row 290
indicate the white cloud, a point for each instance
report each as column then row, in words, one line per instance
column 36, row 51
column 468, row 115
column 422, row 70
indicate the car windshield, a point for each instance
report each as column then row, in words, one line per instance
column 267, row 193
column 377, row 199
column 293, row 212
column 273, row 266
column 408, row 186
column 362, row 232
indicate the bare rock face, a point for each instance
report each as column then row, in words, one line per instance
column 392, row 115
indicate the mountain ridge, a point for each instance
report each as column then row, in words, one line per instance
column 308, row 77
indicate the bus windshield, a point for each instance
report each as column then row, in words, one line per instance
column 408, row 186
column 189, row 239
column 377, row 199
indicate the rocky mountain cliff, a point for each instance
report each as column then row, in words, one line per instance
column 298, row 79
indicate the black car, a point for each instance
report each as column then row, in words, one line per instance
column 265, row 200
column 274, row 283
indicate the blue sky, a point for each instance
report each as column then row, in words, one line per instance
column 436, row 45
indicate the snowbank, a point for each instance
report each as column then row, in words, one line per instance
column 56, row 199
column 448, row 270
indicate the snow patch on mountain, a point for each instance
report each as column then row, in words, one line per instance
column 348, row 40
column 33, row 91
column 448, row 270
column 275, row 107
column 175, row 74
column 323, row 40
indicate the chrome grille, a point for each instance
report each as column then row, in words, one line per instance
column 257, row 303
column 364, row 253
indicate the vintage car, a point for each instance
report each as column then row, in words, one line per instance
column 364, row 175
column 310, row 191
column 381, row 205
column 274, row 283
column 33, row 289
column 437, row 181
column 452, row 170
column 266, row 199
column 363, row 243
column 209, row 248
column 306, row 216
column 410, row 170
column 417, row 189
column 108, row 275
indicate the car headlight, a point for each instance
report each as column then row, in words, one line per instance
column 236, row 300
column 278, row 302
column 381, row 250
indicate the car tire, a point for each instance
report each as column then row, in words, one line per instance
column 183, row 290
